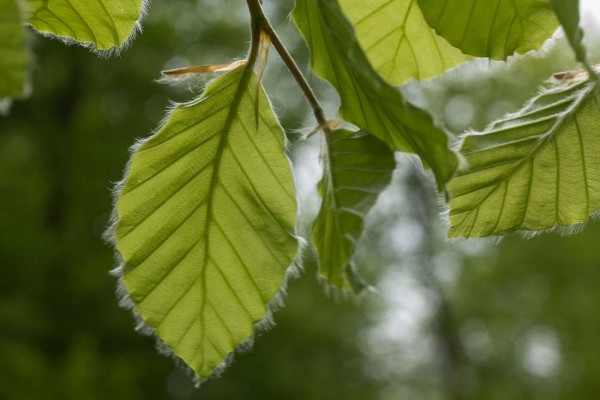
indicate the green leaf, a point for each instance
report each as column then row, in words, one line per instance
column 567, row 12
column 14, row 58
column 205, row 221
column 357, row 167
column 367, row 100
column 536, row 169
column 491, row 28
column 103, row 24
column 398, row 41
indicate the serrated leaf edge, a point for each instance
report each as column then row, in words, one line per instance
column 564, row 230
column 126, row 302
column 104, row 53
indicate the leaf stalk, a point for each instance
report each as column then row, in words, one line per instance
column 260, row 20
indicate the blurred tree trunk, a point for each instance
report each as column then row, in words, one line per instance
column 444, row 327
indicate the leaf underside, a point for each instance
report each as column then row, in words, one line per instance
column 491, row 28
column 367, row 100
column 13, row 53
column 397, row 40
column 536, row 169
column 357, row 168
column 104, row 24
column 206, row 219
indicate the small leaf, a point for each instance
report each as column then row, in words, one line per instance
column 357, row 167
column 398, row 41
column 14, row 58
column 367, row 100
column 205, row 222
column 104, row 24
column 567, row 12
column 536, row 169
column 491, row 28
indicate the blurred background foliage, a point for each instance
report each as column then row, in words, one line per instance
column 445, row 320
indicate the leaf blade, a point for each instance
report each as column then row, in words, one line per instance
column 205, row 189
column 367, row 100
column 491, row 28
column 357, row 168
column 398, row 42
column 103, row 24
column 534, row 170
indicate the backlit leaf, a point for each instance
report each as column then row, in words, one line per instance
column 398, row 41
column 536, row 169
column 357, row 167
column 104, row 24
column 367, row 100
column 491, row 28
column 205, row 222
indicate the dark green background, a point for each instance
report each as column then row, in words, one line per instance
column 63, row 336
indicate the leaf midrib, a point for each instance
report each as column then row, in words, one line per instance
column 549, row 135
column 214, row 182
